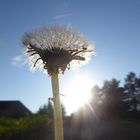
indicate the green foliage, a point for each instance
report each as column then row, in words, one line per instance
column 31, row 128
column 48, row 110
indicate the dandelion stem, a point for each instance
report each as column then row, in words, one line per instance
column 58, row 123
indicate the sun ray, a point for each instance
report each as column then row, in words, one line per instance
column 77, row 93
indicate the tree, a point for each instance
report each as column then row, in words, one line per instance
column 46, row 110
column 95, row 94
column 43, row 110
column 112, row 104
column 132, row 91
column 54, row 49
column 49, row 109
column 96, row 100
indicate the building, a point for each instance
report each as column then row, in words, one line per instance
column 13, row 109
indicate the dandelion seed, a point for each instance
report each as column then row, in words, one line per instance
column 56, row 48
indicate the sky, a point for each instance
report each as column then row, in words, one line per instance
column 112, row 25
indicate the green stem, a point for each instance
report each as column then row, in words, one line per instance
column 58, row 123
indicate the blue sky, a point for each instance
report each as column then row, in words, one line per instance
column 114, row 26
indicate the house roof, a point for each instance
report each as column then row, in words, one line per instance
column 13, row 108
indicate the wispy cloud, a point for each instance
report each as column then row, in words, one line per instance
column 18, row 61
column 62, row 15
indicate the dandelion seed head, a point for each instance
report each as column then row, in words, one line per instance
column 56, row 48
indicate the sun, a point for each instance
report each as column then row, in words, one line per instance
column 77, row 93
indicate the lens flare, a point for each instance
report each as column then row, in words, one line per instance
column 77, row 93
